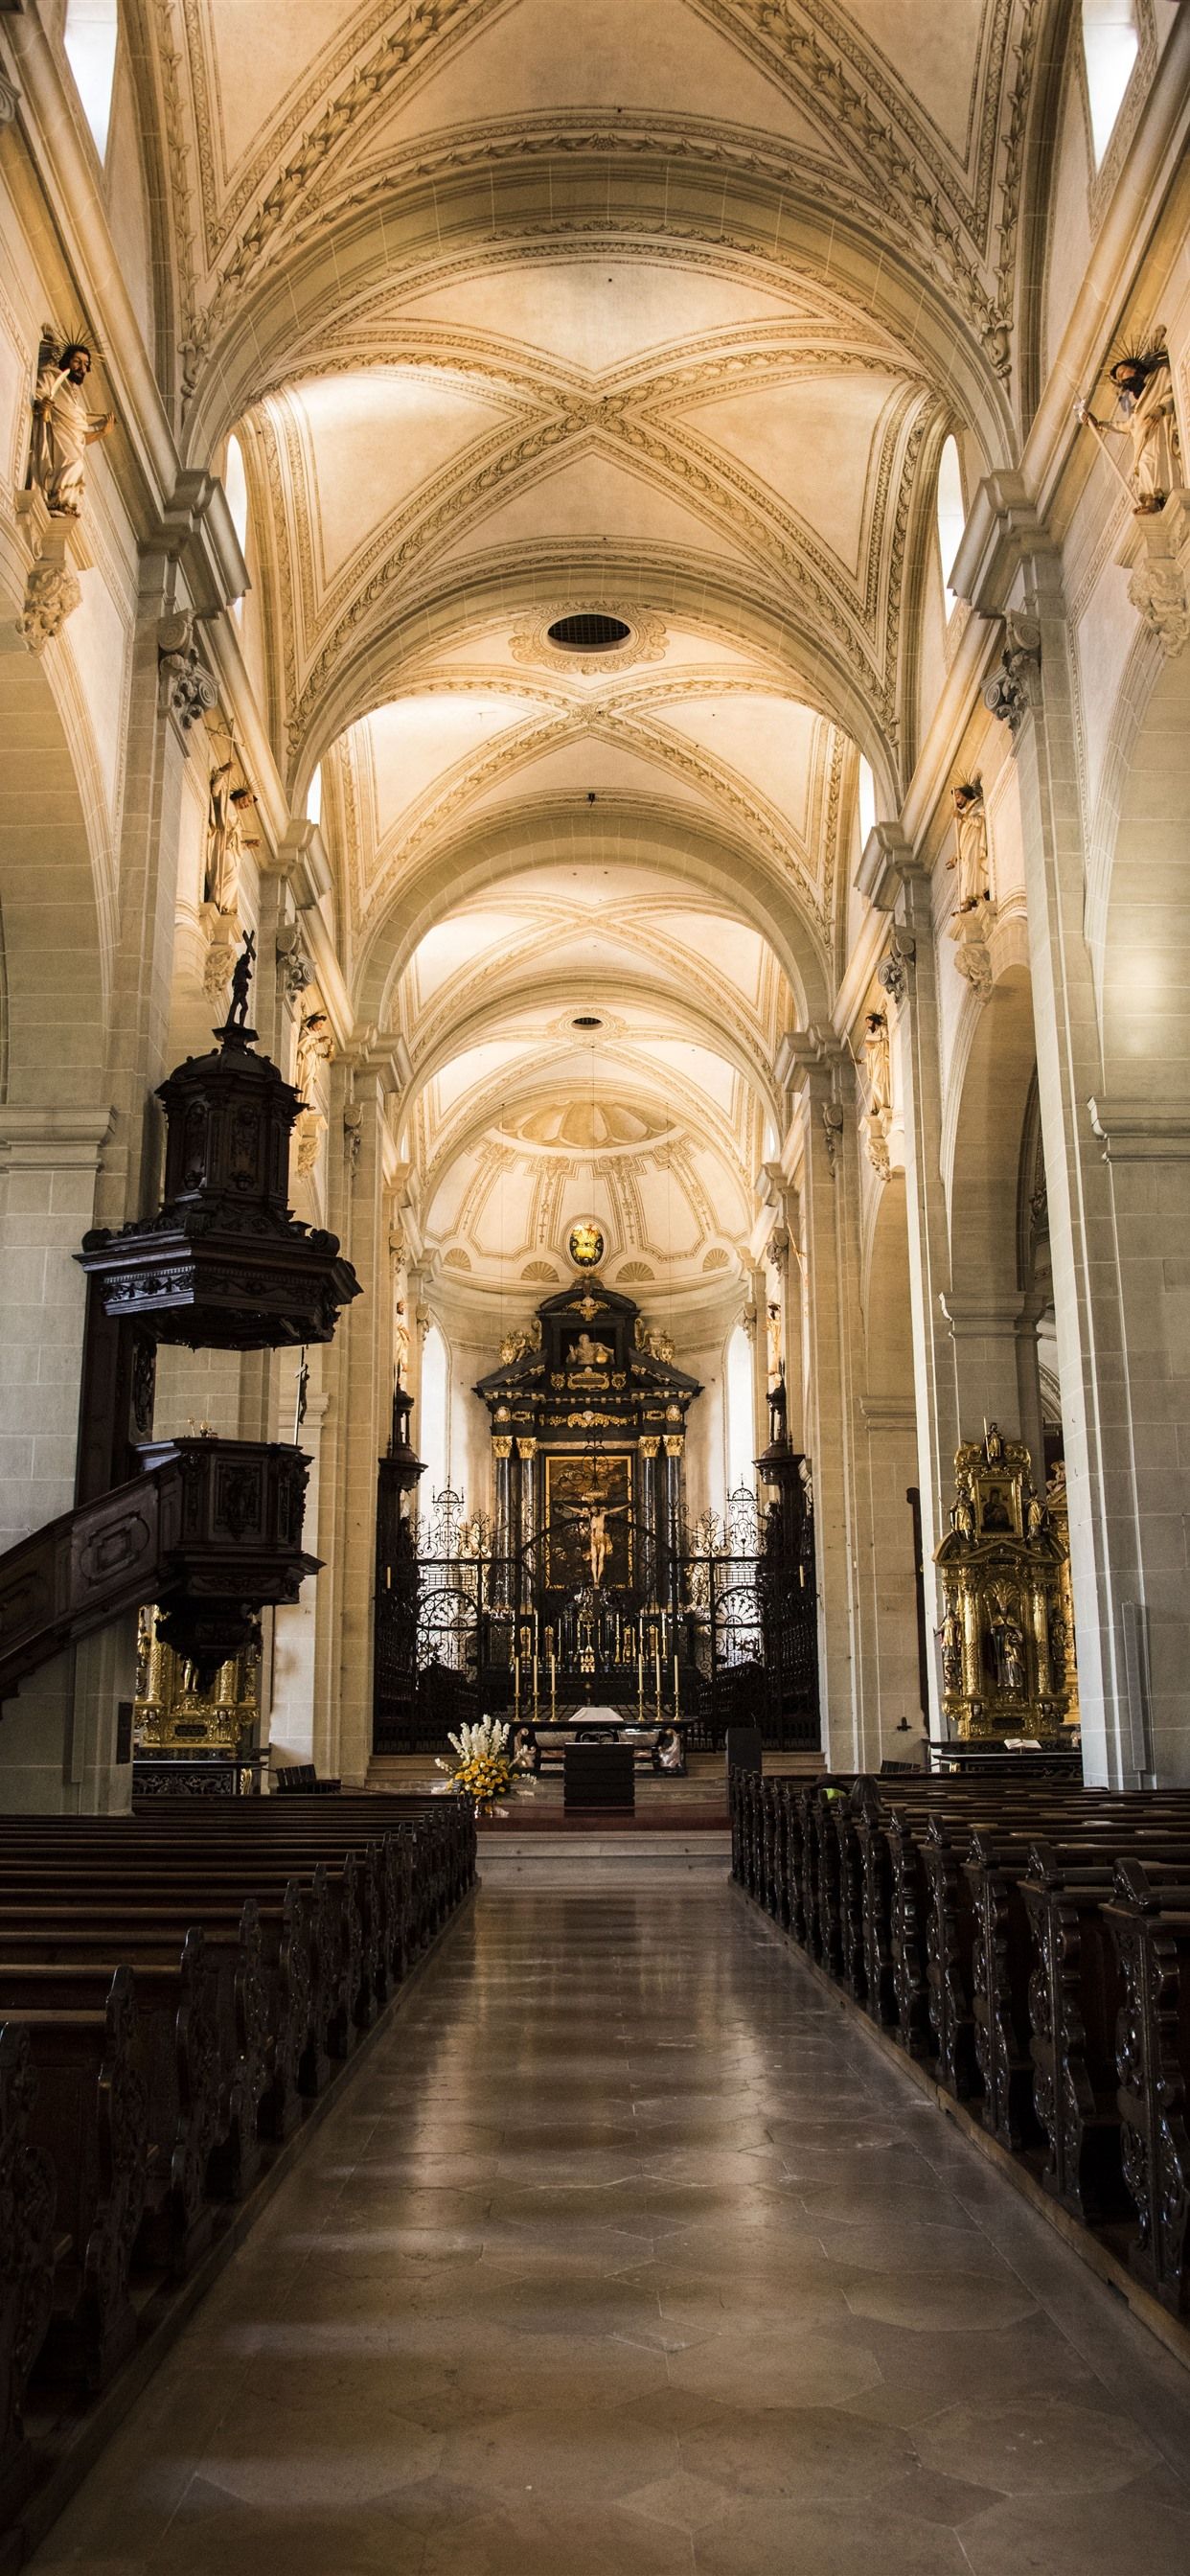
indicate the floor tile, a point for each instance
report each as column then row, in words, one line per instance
column 626, row 2256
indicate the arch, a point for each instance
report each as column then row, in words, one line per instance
column 538, row 836
column 500, row 194
column 381, row 656
column 505, row 1000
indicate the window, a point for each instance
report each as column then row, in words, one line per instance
column 867, row 799
column 952, row 515
column 434, row 1423
column 741, row 1419
column 235, row 484
column 1111, row 42
column 314, row 797
column 92, row 27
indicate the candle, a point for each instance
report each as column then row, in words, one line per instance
column 675, row 1685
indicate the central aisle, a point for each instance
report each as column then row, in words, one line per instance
column 626, row 2255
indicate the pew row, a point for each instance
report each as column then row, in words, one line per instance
column 176, row 1992
column 1027, row 1940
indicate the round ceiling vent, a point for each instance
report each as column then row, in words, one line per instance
column 586, row 1023
column 588, row 631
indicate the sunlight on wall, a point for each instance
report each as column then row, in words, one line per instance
column 314, row 797
column 433, row 1429
column 235, row 484
column 867, row 799
column 952, row 516
column 1111, row 42
column 90, row 34
column 741, row 1426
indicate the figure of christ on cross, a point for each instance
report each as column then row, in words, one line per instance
column 593, row 1514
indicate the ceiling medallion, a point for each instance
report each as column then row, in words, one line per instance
column 533, row 640
column 585, row 1244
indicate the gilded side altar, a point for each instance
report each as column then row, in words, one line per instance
column 1006, row 1639
column 171, row 1714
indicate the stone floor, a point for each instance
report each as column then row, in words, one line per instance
column 626, row 2253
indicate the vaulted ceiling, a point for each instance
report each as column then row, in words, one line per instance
column 521, row 309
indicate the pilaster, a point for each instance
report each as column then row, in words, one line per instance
column 900, row 885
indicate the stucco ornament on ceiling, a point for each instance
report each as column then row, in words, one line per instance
column 530, row 642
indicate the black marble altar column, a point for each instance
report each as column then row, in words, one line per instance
column 647, row 1572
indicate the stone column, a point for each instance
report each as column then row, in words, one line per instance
column 1116, row 1192
column 821, row 1150
column 527, row 1453
column 646, row 1505
column 357, row 1379
column 297, row 1718
column 675, row 1443
column 985, row 1331
column 58, row 1740
column 900, row 885
column 502, row 1454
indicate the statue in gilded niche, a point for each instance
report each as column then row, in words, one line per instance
column 1007, row 1640
column 1146, row 418
column 950, row 1638
column 969, row 858
column 588, row 1353
column 63, row 429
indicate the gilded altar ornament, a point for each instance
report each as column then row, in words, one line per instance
column 1006, row 1640
column 585, row 1245
column 173, row 1713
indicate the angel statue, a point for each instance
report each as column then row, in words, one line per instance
column 63, row 430
column 1145, row 417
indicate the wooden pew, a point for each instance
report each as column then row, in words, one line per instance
column 28, row 2252
column 90, row 2120
column 1151, row 1930
column 175, row 2050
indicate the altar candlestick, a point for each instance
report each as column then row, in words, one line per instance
column 535, row 1685
column 516, row 1682
column 675, row 1685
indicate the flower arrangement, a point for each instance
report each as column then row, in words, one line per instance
column 485, row 1771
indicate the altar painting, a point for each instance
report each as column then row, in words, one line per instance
column 588, row 1504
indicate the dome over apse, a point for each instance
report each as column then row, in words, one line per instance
column 587, row 1126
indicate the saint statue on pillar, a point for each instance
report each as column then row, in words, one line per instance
column 63, row 429
column 230, row 811
column 1146, row 419
column 877, row 1066
column 969, row 857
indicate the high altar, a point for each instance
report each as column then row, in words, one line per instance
column 588, row 1425
column 584, row 1592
